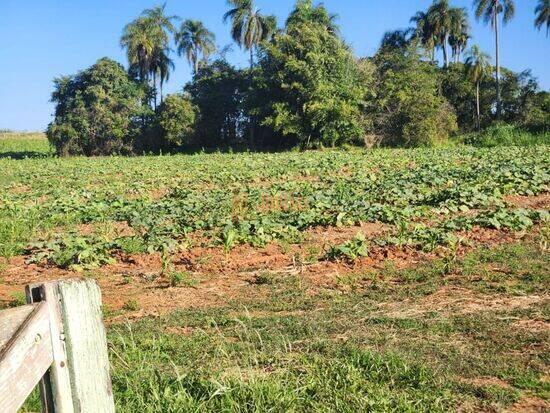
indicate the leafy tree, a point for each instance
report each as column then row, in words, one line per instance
column 218, row 91
column 441, row 19
column 305, row 12
column 146, row 40
column 425, row 32
column 490, row 10
column 195, row 41
column 408, row 109
column 478, row 68
column 97, row 112
column 397, row 39
column 460, row 32
column 313, row 82
column 176, row 119
column 542, row 12
column 248, row 26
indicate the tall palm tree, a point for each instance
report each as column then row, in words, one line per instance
column 248, row 26
column 478, row 69
column 140, row 41
column 460, row 32
column 194, row 40
column 162, row 67
column 441, row 18
column 543, row 15
column 158, row 18
column 490, row 10
column 424, row 33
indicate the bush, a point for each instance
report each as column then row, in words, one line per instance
column 99, row 111
column 506, row 135
column 408, row 109
column 315, row 86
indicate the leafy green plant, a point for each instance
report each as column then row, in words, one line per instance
column 73, row 251
column 350, row 250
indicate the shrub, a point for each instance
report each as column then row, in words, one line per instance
column 98, row 111
column 408, row 109
column 314, row 83
column 506, row 135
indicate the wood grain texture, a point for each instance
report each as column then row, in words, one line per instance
column 55, row 387
column 24, row 359
column 10, row 321
column 86, row 346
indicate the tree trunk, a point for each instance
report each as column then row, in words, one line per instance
column 446, row 51
column 155, row 88
column 161, row 95
column 477, row 107
column 497, row 58
column 251, row 57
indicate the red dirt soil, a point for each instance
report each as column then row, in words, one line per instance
column 221, row 277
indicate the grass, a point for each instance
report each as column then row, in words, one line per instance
column 23, row 145
column 393, row 343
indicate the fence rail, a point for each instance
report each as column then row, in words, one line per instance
column 57, row 341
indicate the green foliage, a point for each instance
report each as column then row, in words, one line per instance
column 350, row 250
column 97, row 111
column 408, row 109
column 73, row 251
column 176, row 119
column 314, row 86
column 507, row 135
column 218, row 91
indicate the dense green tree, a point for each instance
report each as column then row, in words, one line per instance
column 490, row 10
column 196, row 42
column 313, row 82
column 408, row 109
column 542, row 12
column 305, row 12
column 218, row 91
column 248, row 26
column 397, row 39
column 97, row 112
column 478, row 69
column 176, row 120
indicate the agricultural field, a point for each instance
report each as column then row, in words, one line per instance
column 337, row 280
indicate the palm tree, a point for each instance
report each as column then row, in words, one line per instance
column 195, row 40
column 424, row 33
column 478, row 69
column 158, row 18
column 460, row 32
column 248, row 26
column 162, row 67
column 140, row 42
column 146, row 42
column 441, row 18
column 489, row 10
column 543, row 15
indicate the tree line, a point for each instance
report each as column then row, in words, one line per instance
column 304, row 86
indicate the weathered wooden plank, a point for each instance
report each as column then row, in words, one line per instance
column 10, row 321
column 55, row 387
column 86, row 346
column 24, row 359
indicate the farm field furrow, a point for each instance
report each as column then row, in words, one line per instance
column 356, row 280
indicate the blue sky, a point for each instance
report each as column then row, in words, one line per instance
column 42, row 39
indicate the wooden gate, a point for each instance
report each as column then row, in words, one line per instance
column 56, row 341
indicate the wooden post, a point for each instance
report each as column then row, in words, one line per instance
column 86, row 344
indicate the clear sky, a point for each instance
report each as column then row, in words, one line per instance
column 42, row 39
